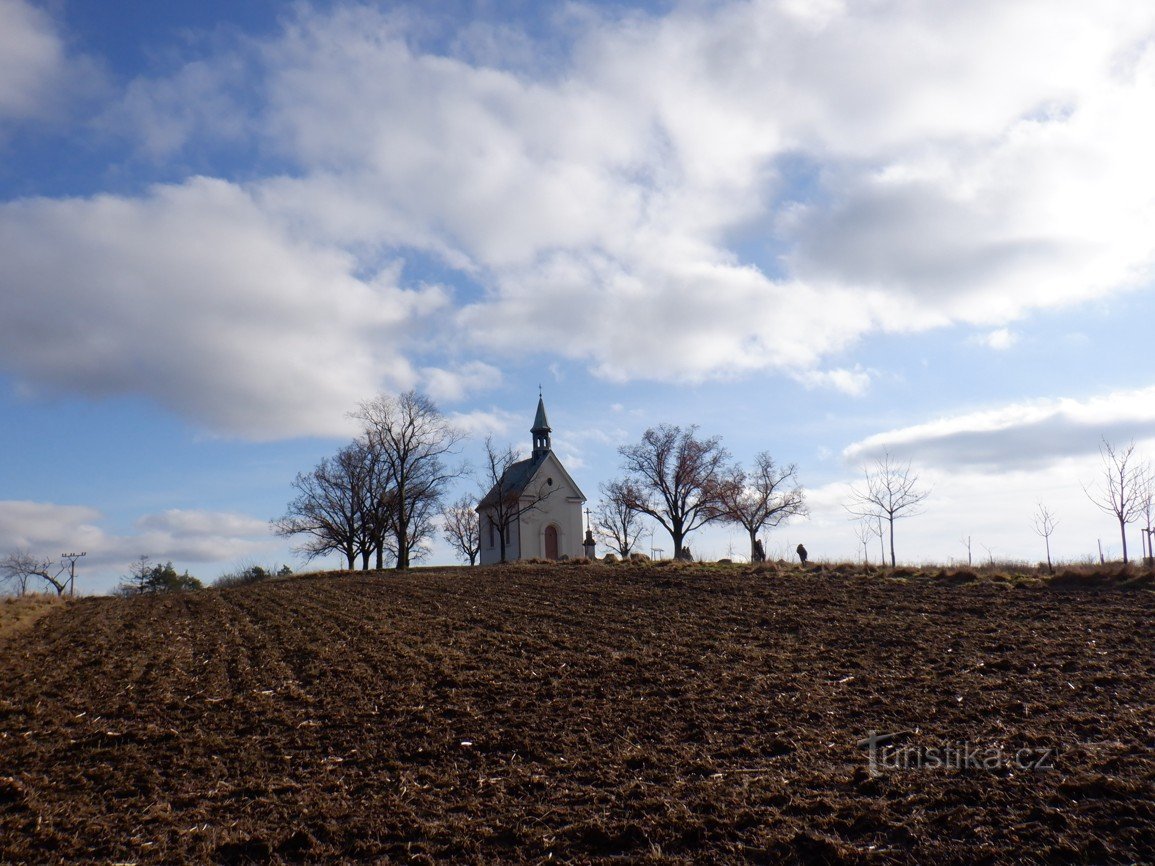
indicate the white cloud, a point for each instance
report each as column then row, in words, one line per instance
column 854, row 382
column 195, row 297
column 619, row 185
column 999, row 339
column 910, row 165
column 42, row 527
column 453, row 385
column 184, row 523
column 480, row 423
column 1032, row 434
column 188, row 538
column 32, row 61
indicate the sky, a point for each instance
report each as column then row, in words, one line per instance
column 828, row 230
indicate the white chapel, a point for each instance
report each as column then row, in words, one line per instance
column 543, row 508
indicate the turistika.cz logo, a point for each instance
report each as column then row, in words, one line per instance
column 884, row 753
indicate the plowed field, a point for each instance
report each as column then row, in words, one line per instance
column 584, row 713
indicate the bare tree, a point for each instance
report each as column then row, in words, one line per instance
column 1045, row 523
column 892, row 492
column 329, row 508
column 136, row 581
column 675, row 478
column 412, row 439
column 510, row 492
column 864, row 531
column 462, row 529
column 20, row 567
column 1121, row 492
column 765, row 496
column 615, row 523
column 1146, row 509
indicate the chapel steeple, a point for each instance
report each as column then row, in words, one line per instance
column 540, row 429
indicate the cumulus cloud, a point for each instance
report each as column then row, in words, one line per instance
column 42, row 527
column 194, row 296
column 854, row 382
column 1020, row 436
column 621, row 184
column 454, row 384
column 999, row 339
column 32, row 61
column 721, row 189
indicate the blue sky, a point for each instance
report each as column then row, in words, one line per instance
column 817, row 228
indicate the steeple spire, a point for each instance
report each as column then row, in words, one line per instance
column 540, row 429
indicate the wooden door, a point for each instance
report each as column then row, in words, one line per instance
column 551, row 542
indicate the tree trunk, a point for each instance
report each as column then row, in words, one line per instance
column 753, row 543
column 893, row 562
column 678, row 537
column 1123, row 534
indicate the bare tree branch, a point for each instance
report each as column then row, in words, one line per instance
column 615, row 523
column 412, row 439
column 674, row 477
column 765, row 496
column 462, row 529
column 1044, row 526
column 1122, row 485
column 20, row 566
column 892, row 492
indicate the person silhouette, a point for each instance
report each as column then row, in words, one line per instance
column 801, row 553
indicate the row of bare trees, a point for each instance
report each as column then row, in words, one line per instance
column 378, row 497
column 683, row 482
column 1126, row 491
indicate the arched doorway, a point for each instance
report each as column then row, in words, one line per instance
column 551, row 542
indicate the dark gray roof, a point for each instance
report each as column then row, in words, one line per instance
column 540, row 422
column 514, row 480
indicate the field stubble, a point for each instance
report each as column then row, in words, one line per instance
column 584, row 712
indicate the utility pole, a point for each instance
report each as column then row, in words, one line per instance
column 72, row 557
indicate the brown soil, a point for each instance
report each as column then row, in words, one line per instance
column 588, row 714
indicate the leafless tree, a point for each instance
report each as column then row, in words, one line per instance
column 20, row 567
column 329, row 508
column 1045, row 523
column 1147, row 512
column 1122, row 486
column 462, row 529
column 136, row 581
column 891, row 492
column 412, row 439
column 675, row 478
column 864, row 531
column 966, row 542
column 765, row 496
column 615, row 523
column 509, row 493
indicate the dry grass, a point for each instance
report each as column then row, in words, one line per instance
column 18, row 612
